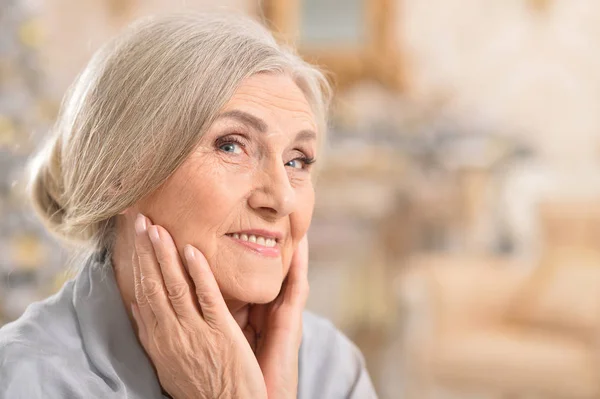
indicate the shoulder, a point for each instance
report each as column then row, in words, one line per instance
column 45, row 326
column 29, row 371
column 34, row 372
column 40, row 355
column 330, row 364
column 322, row 340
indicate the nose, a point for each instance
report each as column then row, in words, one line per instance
column 273, row 196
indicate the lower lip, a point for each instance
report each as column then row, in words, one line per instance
column 271, row 252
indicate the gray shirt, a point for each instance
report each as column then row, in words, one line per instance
column 79, row 344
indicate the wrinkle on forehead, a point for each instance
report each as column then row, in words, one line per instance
column 277, row 96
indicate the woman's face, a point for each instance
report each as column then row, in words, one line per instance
column 245, row 196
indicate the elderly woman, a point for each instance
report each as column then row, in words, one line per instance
column 183, row 161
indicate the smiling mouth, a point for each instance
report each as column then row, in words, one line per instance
column 265, row 246
column 254, row 239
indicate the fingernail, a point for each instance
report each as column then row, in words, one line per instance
column 153, row 232
column 140, row 224
column 189, row 253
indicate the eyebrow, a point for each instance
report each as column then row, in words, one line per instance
column 306, row 135
column 261, row 126
column 248, row 119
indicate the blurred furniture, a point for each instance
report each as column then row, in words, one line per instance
column 570, row 224
column 475, row 183
column 496, row 326
column 353, row 39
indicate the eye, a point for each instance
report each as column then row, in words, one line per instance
column 300, row 163
column 295, row 163
column 231, row 147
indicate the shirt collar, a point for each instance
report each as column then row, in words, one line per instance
column 107, row 334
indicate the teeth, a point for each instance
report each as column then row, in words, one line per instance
column 266, row 242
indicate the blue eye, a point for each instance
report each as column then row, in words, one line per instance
column 295, row 163
column 233, row 148
column 301, row 163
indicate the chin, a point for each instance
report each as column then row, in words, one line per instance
column 258, row 289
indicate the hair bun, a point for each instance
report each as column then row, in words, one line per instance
column 46, row 188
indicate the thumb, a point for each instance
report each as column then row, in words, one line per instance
column 297, row 287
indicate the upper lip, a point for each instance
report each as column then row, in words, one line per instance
column 262, row 233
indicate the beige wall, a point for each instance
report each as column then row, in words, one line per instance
column 500, row 61
column 532, row 74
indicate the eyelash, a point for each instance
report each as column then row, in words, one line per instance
column 229, row 140
column 306, row 161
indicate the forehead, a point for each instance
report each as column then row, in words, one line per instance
column 275, row 98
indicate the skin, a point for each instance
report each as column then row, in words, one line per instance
column 251, row 170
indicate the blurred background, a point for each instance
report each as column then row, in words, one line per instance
column 456, row 236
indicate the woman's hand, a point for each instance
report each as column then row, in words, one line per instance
column 278, row 329
column 196, row 346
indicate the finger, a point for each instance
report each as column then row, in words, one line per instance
column 137, row 282
column 142, row 330
column 213, row 307
column 175, row 278
column 257, row 319
column 142, row 304
column 150, row 276
column 296, row 287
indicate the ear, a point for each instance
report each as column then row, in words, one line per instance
column 126, row 211
column 130, row 210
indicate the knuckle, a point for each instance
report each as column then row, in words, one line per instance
column 151, row 287
column 144, row 259
column 205, row 298
column 138, row 286
column 139, row 297
column 145, row 254
column 178, row 292
column 208, row 303
column 143, row 251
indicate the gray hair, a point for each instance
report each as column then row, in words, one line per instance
column 140, row 107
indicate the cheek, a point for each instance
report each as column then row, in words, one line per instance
column 196, row 202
